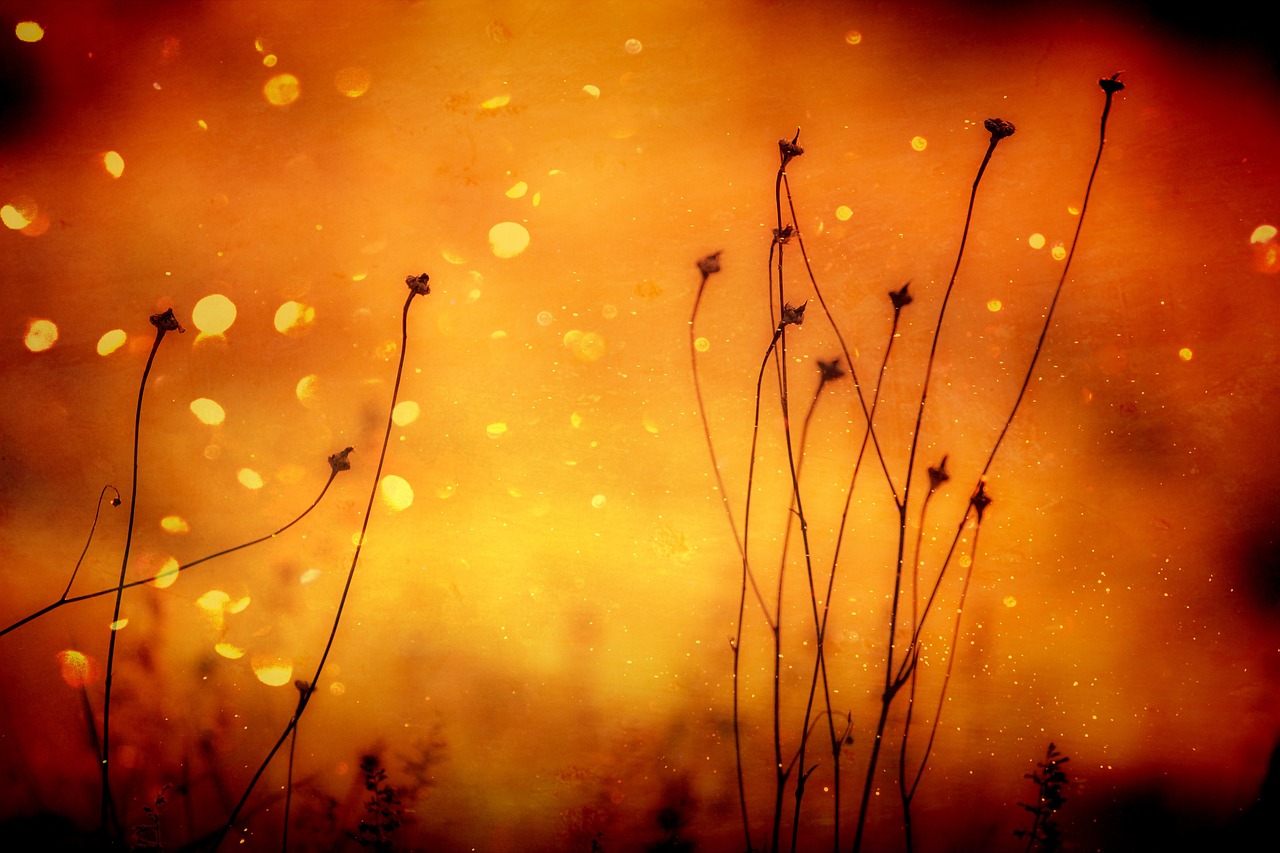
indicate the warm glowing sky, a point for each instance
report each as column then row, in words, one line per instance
column 549, row 579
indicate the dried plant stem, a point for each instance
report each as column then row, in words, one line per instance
column 892, row 684
column 417, row 286
column 164, row 322
column 65, row 600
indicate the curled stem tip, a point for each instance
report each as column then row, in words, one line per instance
column 341, row 461
column 418, row 284
column 165, row 321
column 999, row 128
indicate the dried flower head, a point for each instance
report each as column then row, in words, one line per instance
column 708, row 265
column 792, row 315
column 980, row 500
column 418, row 284
column 900, row 297
column 341, row 461
column 1111, row 84
column 939, row 475
column 830, row 370
column 165, row 321
column 782, row 235
column 790, row 149
column 999, row 128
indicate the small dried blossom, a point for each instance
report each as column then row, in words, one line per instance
column 165, row 321
column 900, row 297
column 980, row 500
column 418, row 284
column 709, row 265
column 830, row 370
column 341, row 461
column 939, row 475
column 1111, row 84
column 790, row 149
column 792, row 315
column 999, row 128
column 782, row 235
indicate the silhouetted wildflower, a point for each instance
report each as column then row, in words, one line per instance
column 340, row 461
column 790, row 149
column 792, row 315
column 939, row 475
column 708, row 265
column 980, row 500
column 901, row 298
column 418, row 284
column 999, row 128
column 830, row 370
column 165, row 321
column 1111, row 84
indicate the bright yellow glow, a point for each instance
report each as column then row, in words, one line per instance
column 309, row 576
column 168, row 574
column 41, row 335
column 282, row 90
column 29, row 31
column 352, row 82
column 202, row 124
column 1185, row 354
column 702, row 344
column 16, row 217
column 405, row 413
column 113, row 163
column 270, row 60
column 1073, row 210
column 919, row 143
column 589, row 347
column 249, row 478
column 111, row 341
column 118, row 625
column 77, row 668
column 495, row 430
column 207, row 411
column 599, row 501
column 1059, row 252
column 633, row 46
column 272, row 671
column 496, row 101
column 175, row 524
column 214, row 314
column 994, row 305
column 238, row 605
column 308, row 391
column 518, row 190
column 294, row 317
column 396, row 492
column 228, row 651
column 575, row 420
column 1010, row 601
column 508, row 239
column 844, row 213
column 1263, row 234
column 853, row 37
column 1036, row 241
column 593, row 91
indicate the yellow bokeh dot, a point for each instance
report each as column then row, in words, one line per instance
column 111, row 341
column 496, row 429
column 352, row 82
column 702, row 344
column 308, row 391
column 396, row 492
column 113, row 163
column 919, row 143
column 229, row 651
column 405, row 413
column 599, row 501
column 593, row 91
column 270, row 60
column 207, row 411
column 844, row 213
column 1036, row 241
column 214, row 314
column 1059, row 252
column 249, row 478
column 272, row 671
column 994, row 305
column 853, row 37
column 508, row 239
column 41, row 335
column 29, row 31
column 293, row 317
column 175, row 524
column 1185, row 354
column 1263, row 234
column 1073, row 210
column 168, row 574
column 1010, row 601
column 118, row 625
column 282, row 90
column 495, row 102
column 517, row 190
column 77, row 667
column 17, row 216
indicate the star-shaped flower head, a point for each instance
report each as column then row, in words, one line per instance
column 709, row 265
column 1111, row 84
column 341, row 461
column 939, row 475
column 980, row 500
column 901, row 298
column 165, row 321
column 792, row 315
